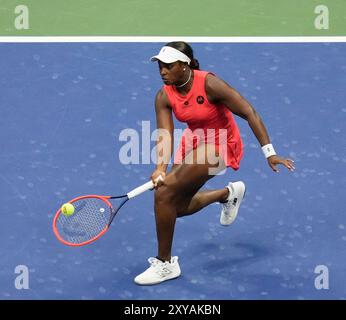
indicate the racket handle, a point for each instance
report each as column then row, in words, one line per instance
column 144, row 187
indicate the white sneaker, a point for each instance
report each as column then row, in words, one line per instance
column 159, row 271
column 229, row 209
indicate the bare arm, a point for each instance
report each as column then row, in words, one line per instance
column 165, row 126
column 219, row 91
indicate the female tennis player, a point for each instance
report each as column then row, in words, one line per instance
column 210, row 144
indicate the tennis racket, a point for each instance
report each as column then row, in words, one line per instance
column 92, row 217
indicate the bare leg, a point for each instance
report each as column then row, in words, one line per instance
column 174, row 198
column 203, row 198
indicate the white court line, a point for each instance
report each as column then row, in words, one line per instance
column 288, row 39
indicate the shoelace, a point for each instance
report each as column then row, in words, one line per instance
column 159, row 267
column 229, row 203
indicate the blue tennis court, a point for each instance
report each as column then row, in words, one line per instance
column 63, row 108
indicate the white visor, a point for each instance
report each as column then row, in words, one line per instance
column 170, row 55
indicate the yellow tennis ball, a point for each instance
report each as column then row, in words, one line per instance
column 67, row 209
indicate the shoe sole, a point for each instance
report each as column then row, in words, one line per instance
column 157, row 282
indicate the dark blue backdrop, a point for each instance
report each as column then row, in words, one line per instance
column 62, row 108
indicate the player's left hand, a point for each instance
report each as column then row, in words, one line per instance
column 273, row 161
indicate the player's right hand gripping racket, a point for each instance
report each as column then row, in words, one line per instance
column 92, row 217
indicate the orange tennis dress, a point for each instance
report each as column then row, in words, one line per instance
column 207, row 123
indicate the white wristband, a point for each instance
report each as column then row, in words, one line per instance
column 268, row 150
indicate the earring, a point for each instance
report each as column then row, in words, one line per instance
column 184, row 69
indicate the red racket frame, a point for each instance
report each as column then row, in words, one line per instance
column 103, row 198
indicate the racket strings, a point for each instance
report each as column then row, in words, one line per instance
column 91, row 216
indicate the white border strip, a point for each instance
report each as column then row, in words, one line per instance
column 289, row 39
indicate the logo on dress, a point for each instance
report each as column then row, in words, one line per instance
column 200, row 100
